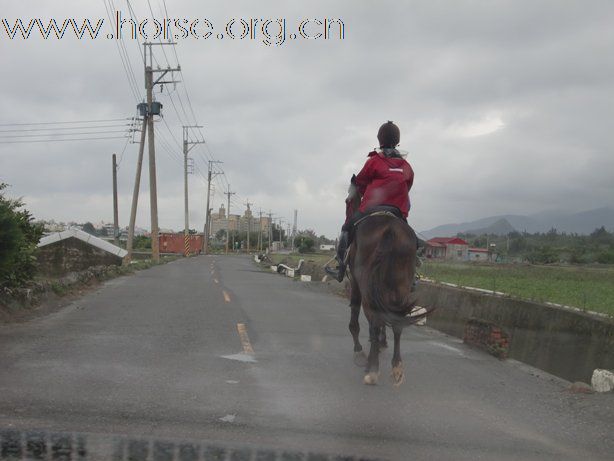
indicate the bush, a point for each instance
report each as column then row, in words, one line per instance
column 543, row 255
column 607, row 257
column 18, row 239
column 305, row 244
column 142, row 243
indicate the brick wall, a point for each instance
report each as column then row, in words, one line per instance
column 487, row 336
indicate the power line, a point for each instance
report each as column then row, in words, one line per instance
column 134, row 17
column 153, row 16
column 65, row 122
column 60, row 134
column 125, row 59
column 122, row 154
column 62, row 140
column 19, row 130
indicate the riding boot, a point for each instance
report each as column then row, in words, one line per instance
column 339, row 271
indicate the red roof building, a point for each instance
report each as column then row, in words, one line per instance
column 449, row 248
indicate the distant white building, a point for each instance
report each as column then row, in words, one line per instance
column 324, row 247
column 478, row 254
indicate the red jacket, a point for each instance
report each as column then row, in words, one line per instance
column 385, row 181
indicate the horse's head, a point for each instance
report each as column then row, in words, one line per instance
column 353, row 194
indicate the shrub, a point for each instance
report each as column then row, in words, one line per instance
column 18, row 239
column 606, row 257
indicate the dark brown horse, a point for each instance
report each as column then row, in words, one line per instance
column 382, row 263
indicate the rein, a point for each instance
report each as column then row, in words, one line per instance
column 375, row 213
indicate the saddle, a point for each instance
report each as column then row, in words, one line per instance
column 380, row 210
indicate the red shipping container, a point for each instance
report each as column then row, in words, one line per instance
column 174, row 243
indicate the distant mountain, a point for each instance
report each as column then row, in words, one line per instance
column 499, row 227
column 584, row 222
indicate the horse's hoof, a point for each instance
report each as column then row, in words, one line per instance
column 360, row 359
column 397, row 376
column 371, row 378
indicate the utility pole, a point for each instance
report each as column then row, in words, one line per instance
column 135, row 192
column 115, row 212
column 210, row 175
column 270, row 229
column 249, row 222
column 228, row 194
column 294, row 228
column 154, row 110
column 187, row 146
column 260, row 231
column 280, row 227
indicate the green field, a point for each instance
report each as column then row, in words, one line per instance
column 584, row 287
column 589, row 288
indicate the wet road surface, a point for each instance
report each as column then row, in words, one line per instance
column 212, row 348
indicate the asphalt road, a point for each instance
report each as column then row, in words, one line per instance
column 213, row 350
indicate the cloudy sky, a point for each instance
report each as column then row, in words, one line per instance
column 504, row 107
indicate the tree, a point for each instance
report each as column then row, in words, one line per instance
column 601, row 236
column 305, row 244
column 19, row 236
column 221, row 235
column 89, row 228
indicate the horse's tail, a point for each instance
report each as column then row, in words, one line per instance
column 389, row 288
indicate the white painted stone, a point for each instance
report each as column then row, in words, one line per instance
column 305, row 278
column 417, row 311
column 273, row 268
column 290, row 272
column 602, row 380
column 325, row 278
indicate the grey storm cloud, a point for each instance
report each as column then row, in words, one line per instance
column 504, row 107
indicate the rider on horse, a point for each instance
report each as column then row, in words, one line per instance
column 385, row 179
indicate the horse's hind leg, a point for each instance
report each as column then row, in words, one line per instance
column 383, row 342
column 373, row 360
column 360, row 358
column 397, row 374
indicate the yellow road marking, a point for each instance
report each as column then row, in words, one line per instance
column 247, row 346
column 216, row 280
column 226, row 296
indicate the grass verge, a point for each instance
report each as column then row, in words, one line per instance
column 582, row 287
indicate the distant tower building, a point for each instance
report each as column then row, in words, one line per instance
column 218, row 222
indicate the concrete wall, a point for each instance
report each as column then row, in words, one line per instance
column 72, row 255
column 563, row 342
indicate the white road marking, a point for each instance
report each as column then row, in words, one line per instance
column 241, row 357
column 226, row 296
column 448, row 347
column 231, row 381
column 228, row 418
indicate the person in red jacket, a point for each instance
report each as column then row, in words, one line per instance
column 385, row 179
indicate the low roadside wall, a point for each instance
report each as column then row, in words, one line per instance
column 563, row 342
